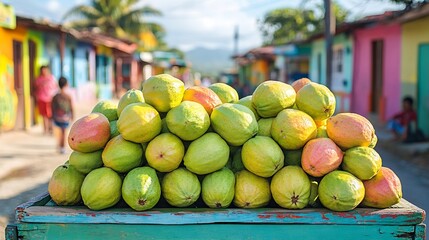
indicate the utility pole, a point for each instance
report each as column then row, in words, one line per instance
column 329, row 37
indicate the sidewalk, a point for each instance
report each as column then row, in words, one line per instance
column 27, row 160
column 413, row 153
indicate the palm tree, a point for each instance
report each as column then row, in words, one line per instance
column 119, row 18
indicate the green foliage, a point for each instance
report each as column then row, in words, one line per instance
column 119, row 18
column 408, row 3
column 283, row 25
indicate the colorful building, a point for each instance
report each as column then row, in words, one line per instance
column 86, row 59
column 414, row 64
column 19, row 60
column 293, row 61
column 254, row 67
column 376, row 68
column 342, row 66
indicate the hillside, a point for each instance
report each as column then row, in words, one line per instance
column 209, row 61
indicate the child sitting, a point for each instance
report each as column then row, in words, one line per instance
column 404, row 123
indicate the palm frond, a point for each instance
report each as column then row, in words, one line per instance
column 146, row 10
column 82, row 11
column 81, row 24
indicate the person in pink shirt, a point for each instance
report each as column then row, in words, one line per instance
column 45, row 88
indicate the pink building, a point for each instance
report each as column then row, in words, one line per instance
column 376, row 70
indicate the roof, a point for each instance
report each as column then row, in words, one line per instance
column 105, row 40
column 123, row 45
column 42, row 24
column 419, row 11
column 266, row 52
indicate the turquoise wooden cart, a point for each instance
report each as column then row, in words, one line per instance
column 40, row 218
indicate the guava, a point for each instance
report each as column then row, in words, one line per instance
column 130, row 97
column 226, row 93
column 234, row 122
column 262, row 156
column 180, row 188
column 251, row 191
column 206, row 154
column 290, row 187
column 107, row 108
column 122, row 155
column 218, row 188
column 163, row 92
column 383, row 190
column 89, row 133
column 264, row 127
column 139, row 122
column 349, row 130
column 270, row 97
column 188, row 121
column 165, row 152
column 141, row 189
column 341, row 191
column 316, row 100
column 64, row 185
column 321, row 156
column 363, row 162
column 292, row 129
column 101, row 189
column 86, row 162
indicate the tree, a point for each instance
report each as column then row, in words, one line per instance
column 119, row 18
column 408, row 3
column 283, row 25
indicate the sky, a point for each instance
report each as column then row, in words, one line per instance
column 203, row 23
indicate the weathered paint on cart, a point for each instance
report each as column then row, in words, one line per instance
column 41, row 219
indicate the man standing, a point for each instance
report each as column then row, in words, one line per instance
column 45, row 87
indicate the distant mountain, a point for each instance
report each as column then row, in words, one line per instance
column 209, row 61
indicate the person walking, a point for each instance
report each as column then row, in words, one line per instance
column 62, row 112
column 45, row 89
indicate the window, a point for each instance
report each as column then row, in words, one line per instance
column 339, row 60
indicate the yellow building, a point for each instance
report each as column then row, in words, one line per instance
column 14, row 83
column 415, row 61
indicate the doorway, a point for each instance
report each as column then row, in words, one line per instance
column 19, row 84
column 423, row 89
column 377, row 77
column 338, row 69
column 32, row 65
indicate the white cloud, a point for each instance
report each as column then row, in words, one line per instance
column 79, row 2
column 53, row 5
column 207, row 23
column 192, row 23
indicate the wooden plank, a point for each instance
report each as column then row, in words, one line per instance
column 11, row 232
column 404, row 213
column 420, row 232
column 39, row 200
column 213, row 231
column 367, row 216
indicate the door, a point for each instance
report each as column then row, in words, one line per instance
column 19, row 84
column 423, row 89
column 337, row 69
column 377, row 77
column 32, row 65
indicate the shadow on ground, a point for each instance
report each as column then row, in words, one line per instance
column 7, row 206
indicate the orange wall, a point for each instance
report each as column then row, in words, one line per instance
column 260, row 72
column 7, row 92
